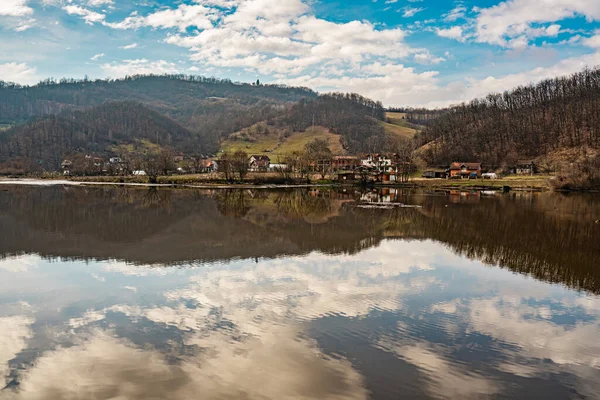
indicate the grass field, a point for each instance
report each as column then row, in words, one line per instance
column 398, row 130
column 271, row 146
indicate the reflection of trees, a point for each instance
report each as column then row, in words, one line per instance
column 300, row 203
column 233, row 203
column 548, row 236
column 154, row 197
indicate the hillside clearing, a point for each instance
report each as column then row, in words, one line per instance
column 397, row 130
column 274, row 147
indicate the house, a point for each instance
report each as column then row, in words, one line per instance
column 345, row 163
column 434, row 174
column 465, row 170
column 206, row 166
column 278, row 167
column 346, row 176
column 377, row 161
column 259, row 163
column 178, row 157
column 524, row 167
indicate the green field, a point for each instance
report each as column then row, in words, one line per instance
column 275, row 148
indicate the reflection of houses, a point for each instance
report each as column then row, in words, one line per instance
column 259, row 163
column 465, row 170
column 457, row 196
column 524, row 167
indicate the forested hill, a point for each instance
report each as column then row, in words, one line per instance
column 179, row 96
column 43, row 142
column 528, row 122
column 41, row 124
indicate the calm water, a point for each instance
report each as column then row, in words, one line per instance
column 183, row 294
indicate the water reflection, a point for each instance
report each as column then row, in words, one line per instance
column 296, row 295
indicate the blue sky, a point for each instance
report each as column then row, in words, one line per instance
column 403, row 52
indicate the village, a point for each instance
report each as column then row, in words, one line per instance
column 368, row 168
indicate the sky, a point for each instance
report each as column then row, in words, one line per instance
column 430, row 53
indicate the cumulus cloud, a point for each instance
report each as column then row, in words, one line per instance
column 90, row 17
column 15, row 8
column 455, row 32
column 97, row 57
column 514, row 18
column 18, row 72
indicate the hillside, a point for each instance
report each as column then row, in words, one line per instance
column 275, row 145
column 530, row 122
column 42, row 123
column 45, row 141
column 178, row 96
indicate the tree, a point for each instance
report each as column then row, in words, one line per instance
column 320, row 156
column 225, row 166
column 239, row 162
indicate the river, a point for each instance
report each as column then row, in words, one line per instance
column 154, row 293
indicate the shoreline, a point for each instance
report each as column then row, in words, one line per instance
column 538, row 184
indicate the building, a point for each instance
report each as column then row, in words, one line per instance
column 178, row 157
column 379, row 162
column 259, row 163
column 206, row 166
column 278, row 167
column 465, row 170
column 346, row 176
column 345, row 163
column 524, row 167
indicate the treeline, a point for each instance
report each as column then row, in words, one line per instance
column 43, row 143
column 180, row 96
column 527, row 122
column 418, row 116
column 354, row 117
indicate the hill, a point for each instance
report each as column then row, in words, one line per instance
column 43, row 142
column 529, row 122
column 42, row 123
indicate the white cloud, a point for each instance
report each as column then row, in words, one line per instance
column 455, row 32
column 395, row 84
column 140, row 67
column 593, row 41
column 129, row 46
column 25, row 24
column 20, row 73
column 408, row 12
column 90, row 17
column 183, row 17
column 96, row 3
column 97, row 57
column 15, row 8
column 513, row 18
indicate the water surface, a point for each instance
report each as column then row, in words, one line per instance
column 136, row 293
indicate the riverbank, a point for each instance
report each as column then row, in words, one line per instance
column 530, row 183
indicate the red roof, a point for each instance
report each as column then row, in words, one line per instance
column 469, row 165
